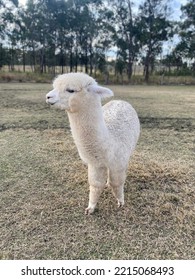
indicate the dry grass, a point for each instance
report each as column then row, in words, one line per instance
column 44, row 189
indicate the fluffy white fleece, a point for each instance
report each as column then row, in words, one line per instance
column 105, row 136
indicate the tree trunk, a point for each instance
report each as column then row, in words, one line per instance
column 23, row 59
column 147, row 72
column 76, row 54
column 130, row 68
column 76, row 60
column 41, row 60
column 1, row 56
column 148, row 63
column 62, row 61
column 91, row 57
column 71, row 59
column 86, row 60
column 12, row 59
column 33, row 59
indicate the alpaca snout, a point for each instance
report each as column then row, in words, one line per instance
column 48, row 97
column 49, row 100
column 52, row 97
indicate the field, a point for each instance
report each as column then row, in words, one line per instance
column 44, row 189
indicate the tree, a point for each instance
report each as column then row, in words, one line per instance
column 85, row 31
column 172, row 60
column 39, row 31
column 154, row 29
column 126, row 34
column 7, row 9
column 186, row 47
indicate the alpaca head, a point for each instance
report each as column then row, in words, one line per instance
column 72, row 90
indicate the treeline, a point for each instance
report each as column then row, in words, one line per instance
column 80, row 35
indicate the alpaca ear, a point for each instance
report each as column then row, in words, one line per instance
column 103, row 92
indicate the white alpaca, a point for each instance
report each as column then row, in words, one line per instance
column 105, row 136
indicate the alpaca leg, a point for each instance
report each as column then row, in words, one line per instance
column 97, row 179
column 116, row 181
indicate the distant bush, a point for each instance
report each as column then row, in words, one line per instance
column 184, row 71
column 25, row 77
column 161, row 79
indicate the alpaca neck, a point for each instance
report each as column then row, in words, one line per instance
column 89, row 131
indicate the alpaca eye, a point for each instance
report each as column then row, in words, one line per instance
column 70, row 90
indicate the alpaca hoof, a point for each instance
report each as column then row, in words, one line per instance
column 120, row 204
column 89, row 211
